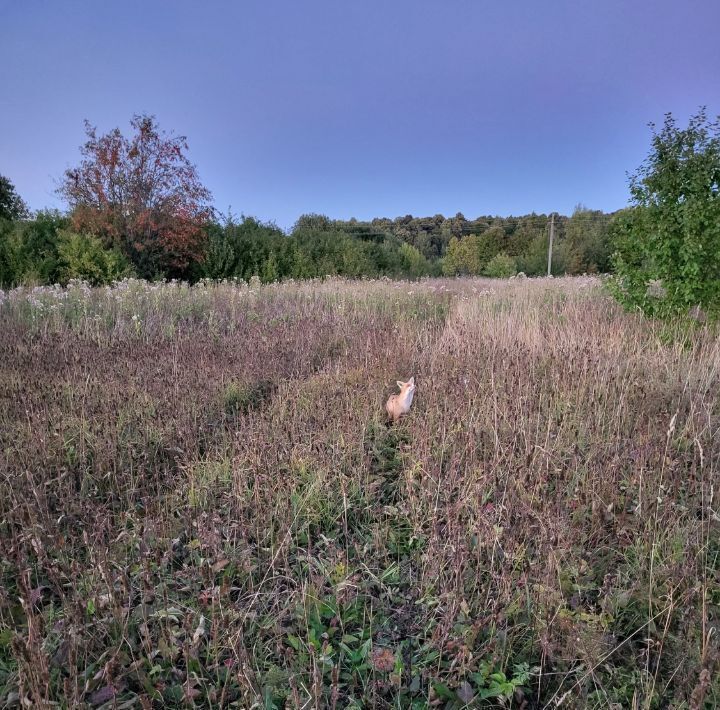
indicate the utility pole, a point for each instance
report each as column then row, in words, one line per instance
column 550, row 244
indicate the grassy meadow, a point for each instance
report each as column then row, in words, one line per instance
column 201, row 504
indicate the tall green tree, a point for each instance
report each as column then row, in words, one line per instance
column 12, row 206
column 33, row 248
column 667, row 256
column 587, row 244
column 463, row 256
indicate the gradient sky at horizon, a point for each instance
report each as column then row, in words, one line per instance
column 365, row 109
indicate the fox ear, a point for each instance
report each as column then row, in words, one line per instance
column 411, row 381
column 400, row 384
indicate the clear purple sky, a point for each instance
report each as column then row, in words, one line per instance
column 368, row 108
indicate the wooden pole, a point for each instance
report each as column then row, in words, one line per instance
column 550, row 244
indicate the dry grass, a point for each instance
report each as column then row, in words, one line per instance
column 200, row 503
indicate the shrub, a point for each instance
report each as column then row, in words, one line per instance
column 501, row 266
column 82, row 256
column 31, row 249
column 414, row 263
column 7, row 271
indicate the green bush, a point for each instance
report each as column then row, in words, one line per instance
column 501, row 266
column 463, row 256
column 7, row 270
column 415, row 264
column 29, row 249
column 82, row 256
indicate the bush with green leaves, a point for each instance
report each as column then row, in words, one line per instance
column 414, row 263
column 463, row 257
column 83, row 256
column 667, row 246
column 7, row 271
column 586, row 247
column 501, row 266
column 29, row 249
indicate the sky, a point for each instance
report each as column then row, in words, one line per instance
column 361, row 109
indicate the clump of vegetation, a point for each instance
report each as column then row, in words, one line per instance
column 83, row 257
column 501, row 266
column 667, row 258
column 539, row 530
column 241, row 397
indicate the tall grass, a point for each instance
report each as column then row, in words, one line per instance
column 200, row 503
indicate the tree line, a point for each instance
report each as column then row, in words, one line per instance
column 50, row 247
column 136, row 206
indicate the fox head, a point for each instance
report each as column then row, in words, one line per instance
column 407, row 387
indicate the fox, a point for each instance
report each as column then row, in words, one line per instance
column 399, row 404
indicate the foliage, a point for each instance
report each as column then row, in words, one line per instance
column 246, row 248
column 667, row 257
column 7, row 267
column 30, row 249
column 586, row 244
column 82, row 256
column 12, row 206
column 470, row 255
column 522, row 237
column 415, row 264
column 316, row 247
column 140, row 195
column 501, row 266
column 142, row 198
column 463, row 256
column 43, row 250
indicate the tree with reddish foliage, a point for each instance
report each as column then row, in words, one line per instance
column 142, row 195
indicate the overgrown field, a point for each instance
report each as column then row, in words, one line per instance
column 200, row 503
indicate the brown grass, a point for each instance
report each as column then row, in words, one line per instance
column 200, row 503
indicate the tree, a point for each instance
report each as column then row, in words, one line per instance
column 586, row 241
column 312, row 222
column 490, row 244
column 32, row 248
column 142, row 195
column 667, row 246
column 463, row 256
column 414, row 263
column 7, row 253
column 533, row 261
column 12, row 206
column 246, row 248
column 219, row 259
